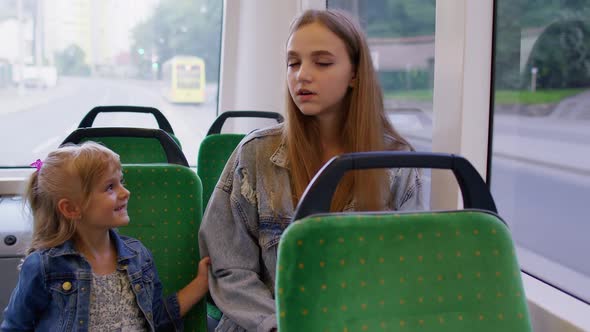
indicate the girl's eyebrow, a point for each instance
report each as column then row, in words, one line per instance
column 321, row 52
column 115, row 177
column 314, row 53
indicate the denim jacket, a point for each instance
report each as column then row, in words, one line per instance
column 248, row 211
column 53, row 290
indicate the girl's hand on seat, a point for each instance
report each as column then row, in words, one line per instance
column 203, row 272
column 196, row 289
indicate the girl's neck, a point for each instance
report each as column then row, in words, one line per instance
column 330, row 131
column 98, row 249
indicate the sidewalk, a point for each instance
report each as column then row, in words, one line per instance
column 11, row 101
column 548, row 142
column 569, row 157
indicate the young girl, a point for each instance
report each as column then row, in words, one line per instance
column 334, row 106
column 79, row 274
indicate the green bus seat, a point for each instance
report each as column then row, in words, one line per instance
column 134, row 145
column 163, row 123
column 216, row 148
column 165, row 209
column 412, row 271
column 214, row 152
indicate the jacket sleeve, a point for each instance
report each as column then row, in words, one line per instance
column 30, row 297
column 407, row 190
column 165, row 311
column 229, row 235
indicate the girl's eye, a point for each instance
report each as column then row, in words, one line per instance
column 293, row 64
column 109, row 187
column 324, row 64
column 123, row 182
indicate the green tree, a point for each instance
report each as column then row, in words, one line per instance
column 541, row 13
column 552, row 56
column 391, row 18
column 561, row 56
column 185, row 27
column 508, row 24
column 71, row 61
column 400, row 18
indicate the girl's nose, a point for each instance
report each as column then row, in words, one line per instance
column 304, row 73
column 124, row 192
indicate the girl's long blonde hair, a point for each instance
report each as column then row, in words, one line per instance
column 69, row 172
column 365, row 127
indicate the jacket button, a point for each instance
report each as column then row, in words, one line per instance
column 137, row 287
column 149, row 316
column 66, row 286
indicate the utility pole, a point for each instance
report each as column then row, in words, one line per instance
column 21, row 52
column 39, row 24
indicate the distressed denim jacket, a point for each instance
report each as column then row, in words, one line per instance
column 53, row 290
column 243, row 222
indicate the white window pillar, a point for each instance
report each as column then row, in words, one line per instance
column 253, row 66
column 462, row 77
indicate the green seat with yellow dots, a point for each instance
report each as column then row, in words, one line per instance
column 216, row 148
column 134, row 145
column 214, row 152
column 411, row 271
column 165, row 209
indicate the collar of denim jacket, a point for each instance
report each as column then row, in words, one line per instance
column 66, row 248
column 279, row 157
column 124, row 251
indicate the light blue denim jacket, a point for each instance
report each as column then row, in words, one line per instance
column 241, row 228
column 42, row 301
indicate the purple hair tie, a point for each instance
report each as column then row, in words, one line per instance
column 37, row 164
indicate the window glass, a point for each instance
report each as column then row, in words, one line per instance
column 540, row 172
column 61, row 58
column 401, row 39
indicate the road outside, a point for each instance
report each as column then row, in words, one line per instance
column 33, row 124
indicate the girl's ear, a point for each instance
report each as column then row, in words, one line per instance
column 353, row 79
column 69, row 209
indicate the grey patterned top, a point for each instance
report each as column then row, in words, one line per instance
column 113, row 306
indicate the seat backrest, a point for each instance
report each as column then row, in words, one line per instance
column 134, row 145
column 443, row 271
column 88, row 120
column 214, row 152
column 418, row 271
column 216, row 148
column 220, row 120
column 165, row 209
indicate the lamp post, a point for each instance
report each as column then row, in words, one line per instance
column 534, row 72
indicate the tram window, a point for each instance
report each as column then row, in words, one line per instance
column 401, row 38
column 61, row 58
column 540, row 172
